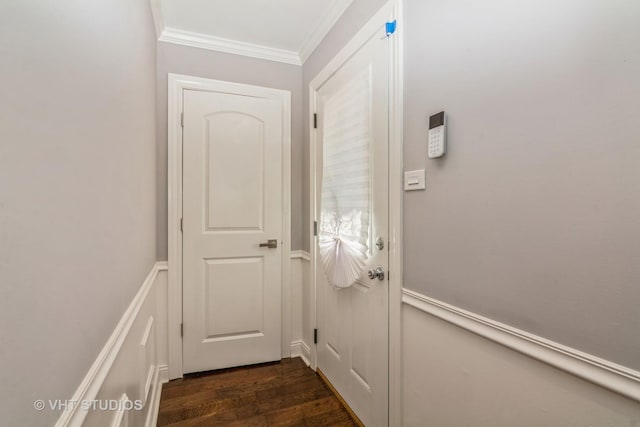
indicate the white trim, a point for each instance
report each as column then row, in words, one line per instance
column 176, row 85
column 313, row 270
column 330, row 18
column 386, row 13
column 92, row 382
column 300, row 349
column 219, row 44
column 161, row 377
column 174, row 214
column 119, row 419
column 286, row 220
column 163, row 374
column 158, row 16
column 304, row 255
column 609, row 375
column 148, row 339
column 395, row 220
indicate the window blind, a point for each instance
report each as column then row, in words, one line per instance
column 346, row 201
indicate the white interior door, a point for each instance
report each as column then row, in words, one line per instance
column 353, row 322
column 232, row 203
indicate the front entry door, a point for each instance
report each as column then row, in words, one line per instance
column 352, row 107
column 232, row 227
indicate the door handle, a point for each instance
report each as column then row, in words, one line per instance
column 377, row 272
column 271, row 244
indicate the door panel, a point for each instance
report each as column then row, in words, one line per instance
column 232, row 154
column 353, row 322
column 235, row 177
column 360, row 358
column 225, row 319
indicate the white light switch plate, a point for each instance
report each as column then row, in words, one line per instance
column 414, row 180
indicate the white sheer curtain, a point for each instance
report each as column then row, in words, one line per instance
column 346, row 202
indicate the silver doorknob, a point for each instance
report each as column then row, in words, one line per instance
column 377, row 272
column 271, row 244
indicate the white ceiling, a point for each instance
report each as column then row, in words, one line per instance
column 281, row 30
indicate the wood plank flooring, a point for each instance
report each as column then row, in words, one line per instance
column 285, row 393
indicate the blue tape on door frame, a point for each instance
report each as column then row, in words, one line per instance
column 390, row 27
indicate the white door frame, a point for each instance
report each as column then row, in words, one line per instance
column 390, row 11
column 177, row 84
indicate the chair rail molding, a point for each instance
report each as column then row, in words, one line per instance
column 614, row 377
column 303, row 255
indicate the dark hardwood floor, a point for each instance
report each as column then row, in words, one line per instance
column 284, row 393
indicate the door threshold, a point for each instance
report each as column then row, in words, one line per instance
column 340, row 398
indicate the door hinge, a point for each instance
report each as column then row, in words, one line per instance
column 181, row 330
column 181, row 227
column 315, row 228
column 315, row 121
column 181, row 119
column 315, row 336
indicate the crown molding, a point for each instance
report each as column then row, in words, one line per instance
column 204, row 41
column 219, row 44
column 330, row 18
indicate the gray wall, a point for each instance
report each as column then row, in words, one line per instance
column 533, row 217
column 77, row 189
column 178, row 59
column 356, row 15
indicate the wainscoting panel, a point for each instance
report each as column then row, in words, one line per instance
column 119, row 417
column 301, row 325
column 127, row 376
column 464, row 370
column 147, row 358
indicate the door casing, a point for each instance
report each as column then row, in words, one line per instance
column 177, row 84
column 389, row 12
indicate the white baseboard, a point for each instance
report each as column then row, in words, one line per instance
column 301, row 349
column 604, row 373
column 110, row 375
